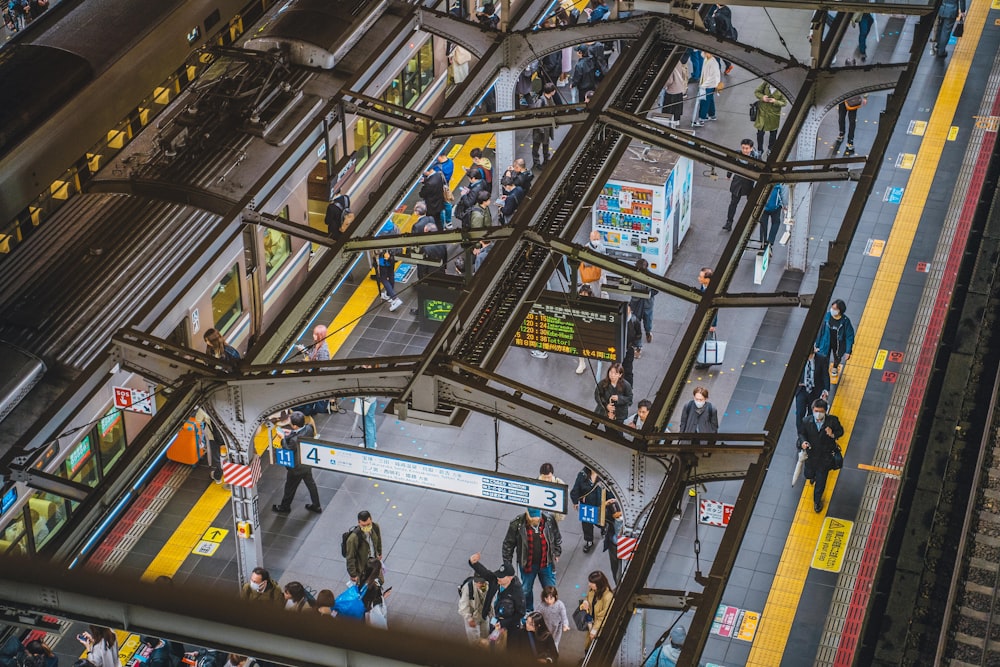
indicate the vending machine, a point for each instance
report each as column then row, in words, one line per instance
column 644, row 210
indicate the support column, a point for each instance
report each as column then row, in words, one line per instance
column 506, row 141
column 801, row 194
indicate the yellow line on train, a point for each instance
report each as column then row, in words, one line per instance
column 793, row 568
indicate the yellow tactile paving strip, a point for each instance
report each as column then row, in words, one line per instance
column 187, row 535
column 793, row 568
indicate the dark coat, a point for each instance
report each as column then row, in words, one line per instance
column 693, row 422
column 584, row 491
column 513, row 595
column 510, row 204
column 432, row 192
column 602, row 396
column 821, row 444
column 517, row 539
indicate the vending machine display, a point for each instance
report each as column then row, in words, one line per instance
column 644, row 209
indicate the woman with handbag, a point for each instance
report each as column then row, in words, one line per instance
column 818, row 433
column 596, row 604
column 613, row 394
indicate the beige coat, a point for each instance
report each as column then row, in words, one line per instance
column 677, row 83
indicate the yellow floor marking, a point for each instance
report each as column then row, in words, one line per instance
column 199, row 520
column 793, row 568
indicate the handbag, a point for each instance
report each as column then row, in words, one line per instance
column 838, row 457
column 589, row 273
column 581, row 618
column 959, row 29
column 712, row 352
column 449, row 196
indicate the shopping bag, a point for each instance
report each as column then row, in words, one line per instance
column 959, row 29
column 581, row 618
column 712, row 352
column 349, row 603
column 378, row 617
column 799, row 465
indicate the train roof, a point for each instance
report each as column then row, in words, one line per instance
column 319, row 22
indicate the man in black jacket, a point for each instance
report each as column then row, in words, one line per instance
column 813, row 383
column 505, row 596
column 739, row 186
column 818, row 435
column 586, row 491
column 432, row 192
column 535, row 536
column 300, row 473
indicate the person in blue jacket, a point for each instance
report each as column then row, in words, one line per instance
column 835, row 342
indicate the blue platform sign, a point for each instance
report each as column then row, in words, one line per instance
column 590, row 514
column 285, row 457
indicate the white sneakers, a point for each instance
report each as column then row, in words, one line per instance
column 395, row 303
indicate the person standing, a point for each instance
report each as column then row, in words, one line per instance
column 511, row 199
column 296, row 598
column 739, row 186
column 642, row 306
column 584, row 77
column 581, row 366
column 385, row 272
column 818, row 435
column 217, row 347
column 432, row 191
column 547, row 473
column 774, row 209
column 711, row 80
column 587, row 491
column 363, row 543
column 597, row 603
column 534, row 536
column 262, row 588
column 674, row 93
column 848, row 111
column 814, row 383
column 950, row 12
column 769, row 103
column 553, row 610
column 540, row 640
column 541, row 136
column 299, row 473
column 504, row 596
column 473, row 610
column 864, row 21
column 102, row 646
column 613, row 527
column 835, row 341
column 633, row 344
column 699, row 416
column 613, row 394
column 336, row 212
column 637, row 420
column 666, row 654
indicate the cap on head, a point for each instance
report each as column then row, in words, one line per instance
column 678, row 635
column 505, row 570
column 534, row 513
column 582, row 48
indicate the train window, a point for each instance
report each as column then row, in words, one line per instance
column 111, row 434
column 368, row 136
column 394, row 93
column 81, row 465
column 419, row 73
column 12, row 540
column 277, row 249
column 227, row 302
column 48, row 515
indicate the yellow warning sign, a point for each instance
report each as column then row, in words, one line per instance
column 214, row 534
column 455, row 150
column 875, row 247
column 205, row 548
column 953, row 131
column 995, row 4
column 880, row 359
column 906, row 160
column 917, row 127
column 748, row 626
column 832, row 543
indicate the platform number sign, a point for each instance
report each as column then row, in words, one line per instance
column 590, row 514
column 285, row 457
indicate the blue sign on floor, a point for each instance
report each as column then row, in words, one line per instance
column 403, row 272
column 285, row 457
column 894, row 195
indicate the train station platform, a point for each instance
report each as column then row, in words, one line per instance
column 789, row 575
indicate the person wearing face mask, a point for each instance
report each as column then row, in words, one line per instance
column 363, row 543
column 818, row 433
column 699, row 416
column 262, row 588
column 835, row 341
column 535, row 536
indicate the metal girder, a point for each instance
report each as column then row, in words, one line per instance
column 286, row 226
column 432, row 238
column 563, row 114
column 156, row 359
column 186, row 614
column 764, row 300
column 470, row 36
column 384, row 112
column 529, row 45
column 188, row 195
column 835, row 85
column 43, row 481
column 670, row 600
column 831, row 5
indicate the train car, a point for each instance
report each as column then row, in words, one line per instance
column 158, row 243
column 83, row 80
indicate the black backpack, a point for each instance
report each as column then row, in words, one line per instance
column 343, row 539
column 469, row 585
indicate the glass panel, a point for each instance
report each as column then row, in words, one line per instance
column 13, row 539
column 111, row 430
column 81, row 465
column 227, row 302
column 394, row 94
column 411, row 82
column 277, row 248
column 361, row 149
column 426, row 56
column 48, row 516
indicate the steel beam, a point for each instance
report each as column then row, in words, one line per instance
column 432, row 238
column 669, row 600
column 384, row 112
column 563, row 114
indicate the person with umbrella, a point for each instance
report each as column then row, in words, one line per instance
column 818, row 435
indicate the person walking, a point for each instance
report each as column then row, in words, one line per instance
column 835, row 341
column 262, row 588
column 336, row 212
column 364, row 542
column 818, row 435
column 774, row 209
column 864, row 21
column 949, row 13
column 581, row 366
column 814, row 383
column 633, row 344
column 674, row 93
column 540, row 640
column 587, row 490
column 698, row 415
column 847, row 112
column 613, row 527
column 541, row 136
column 102, row 646
column 597, row 604
column 642, row 306
column 385, row 273
column 473, row 610
column 553, row 610
column 534, row 537
column 739, row 186
column 711, row 81
column 769, row 103
column 300, row 472
column 613, row 394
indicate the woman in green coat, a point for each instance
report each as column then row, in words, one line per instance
column 769, row 103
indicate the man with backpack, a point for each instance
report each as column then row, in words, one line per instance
column 848, row 111
column 299, row 473
column 336, row 213
column 360, row 543
column 473, row 610
column 470, row 194
column 584, row 77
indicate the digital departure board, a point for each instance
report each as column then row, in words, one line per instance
column 586, row 327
